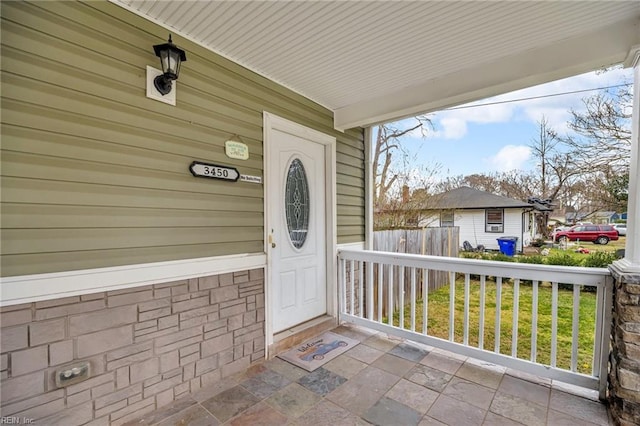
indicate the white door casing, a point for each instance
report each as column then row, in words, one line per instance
column 300, row 267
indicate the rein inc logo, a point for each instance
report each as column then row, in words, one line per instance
column 15, row 420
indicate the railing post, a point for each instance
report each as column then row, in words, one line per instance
column 342, row 278
column 605, row 341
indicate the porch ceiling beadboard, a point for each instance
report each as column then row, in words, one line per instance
column 375, row 61
column 94, row 174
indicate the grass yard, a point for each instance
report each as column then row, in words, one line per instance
column 438, row 324
column 572, row 246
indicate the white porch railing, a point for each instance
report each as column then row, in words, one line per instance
column 482, row 310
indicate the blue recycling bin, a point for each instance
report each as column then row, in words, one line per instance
column 507, row 245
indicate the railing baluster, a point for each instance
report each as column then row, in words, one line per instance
column 401, row 297
column 370, row 290
column 425, row 300
column 483, row 280
column 597, row 343
column 534, row 322
column 604, row 326
column 554, row 322
column 496, row 346
column 390, row 296
column 413, row 298
column 351, row 286
column 452, row 304
column 380, row 290
column 574, row 327
column 360, row 290
column 514, row 328
column 343, row 285
column 465, row 332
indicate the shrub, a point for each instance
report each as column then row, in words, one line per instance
column 537, row 259
column 470, row 255
column 503, row 258
column 563, row 259
column 599, row 259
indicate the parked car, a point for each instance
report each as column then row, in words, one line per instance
column 621, row 228
column 598, row 234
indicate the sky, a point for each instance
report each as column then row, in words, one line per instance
column 495, row 138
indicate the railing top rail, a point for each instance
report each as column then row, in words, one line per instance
column 551, row 273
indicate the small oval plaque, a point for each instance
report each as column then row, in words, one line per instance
column 236, row 150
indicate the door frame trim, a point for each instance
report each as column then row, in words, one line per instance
column 273, row 122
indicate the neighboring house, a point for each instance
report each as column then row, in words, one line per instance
column 598, row 217
column 153, row 244
column 572, row 218
column 602, row 217
column 483, row 217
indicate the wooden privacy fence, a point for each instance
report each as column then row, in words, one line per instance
column 425, row 241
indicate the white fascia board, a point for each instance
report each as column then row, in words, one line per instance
column 566, row 58
column 38, row 287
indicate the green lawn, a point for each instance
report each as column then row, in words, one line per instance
column 438, row 324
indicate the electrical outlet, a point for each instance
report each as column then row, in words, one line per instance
column 73, row 373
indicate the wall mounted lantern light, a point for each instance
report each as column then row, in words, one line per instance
column 171, row 56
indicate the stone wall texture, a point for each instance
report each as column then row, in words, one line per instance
column 146, row 346
column 624, row 373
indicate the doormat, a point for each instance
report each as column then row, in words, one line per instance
column 317, row 351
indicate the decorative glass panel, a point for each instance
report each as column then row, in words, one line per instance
column 296, row 203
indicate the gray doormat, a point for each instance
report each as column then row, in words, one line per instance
column 319, row 350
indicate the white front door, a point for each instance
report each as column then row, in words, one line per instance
column 296, row 228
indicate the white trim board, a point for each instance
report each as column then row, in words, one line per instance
column 34, row 288
column 352, row 246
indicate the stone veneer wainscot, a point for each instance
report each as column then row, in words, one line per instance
column 147, row 347
column 624, row 371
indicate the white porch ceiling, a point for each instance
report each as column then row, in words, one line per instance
column 375, row 61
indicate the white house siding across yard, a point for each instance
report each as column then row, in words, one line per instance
column 472, row 227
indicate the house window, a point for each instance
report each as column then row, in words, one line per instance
column 446, row 218
column 495, row 220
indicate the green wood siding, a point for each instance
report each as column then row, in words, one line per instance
column 95, row 174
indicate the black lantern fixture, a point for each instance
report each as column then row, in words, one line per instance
column 171, row 56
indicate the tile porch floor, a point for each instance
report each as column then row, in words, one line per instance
column 382, row 381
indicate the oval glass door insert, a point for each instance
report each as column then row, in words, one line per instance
column 296, row 203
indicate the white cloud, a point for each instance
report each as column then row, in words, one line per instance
column 452, row 124
column 557, row 118
column 450, row 128
column 510, row 157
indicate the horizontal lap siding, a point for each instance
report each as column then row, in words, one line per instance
column 95, row 174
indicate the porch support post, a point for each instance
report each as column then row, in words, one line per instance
column 369, row 186
column 624, row 372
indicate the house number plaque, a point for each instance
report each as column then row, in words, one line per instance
column 214, row 171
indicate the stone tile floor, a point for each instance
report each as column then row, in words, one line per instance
column 384, row 381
